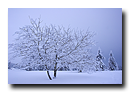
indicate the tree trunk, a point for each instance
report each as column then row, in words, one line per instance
column 55, row 70
column 55, row 73
column 55, row 67
column 49, row 75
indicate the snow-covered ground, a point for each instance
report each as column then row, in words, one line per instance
column 64, row 77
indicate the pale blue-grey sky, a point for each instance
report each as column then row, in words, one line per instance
column 105, row 22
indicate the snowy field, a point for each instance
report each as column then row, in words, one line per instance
column 64, row 77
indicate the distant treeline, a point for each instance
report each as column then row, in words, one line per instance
column 40, row 67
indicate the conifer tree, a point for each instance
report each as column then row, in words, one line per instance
column 100, row 66
column 112, row 64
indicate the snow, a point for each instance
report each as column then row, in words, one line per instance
column 16, row 76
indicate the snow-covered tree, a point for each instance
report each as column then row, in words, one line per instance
column 49, row 46
column 112, row 64
column 100, row 66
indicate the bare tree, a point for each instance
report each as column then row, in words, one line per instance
column 50, row 45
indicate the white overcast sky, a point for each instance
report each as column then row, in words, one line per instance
column 105, row 22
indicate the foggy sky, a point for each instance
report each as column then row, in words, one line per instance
column 105, row 22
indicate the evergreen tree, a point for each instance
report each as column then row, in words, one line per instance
column 100, row 66
column 112, row 63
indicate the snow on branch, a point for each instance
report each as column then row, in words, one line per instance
column 53, row 45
